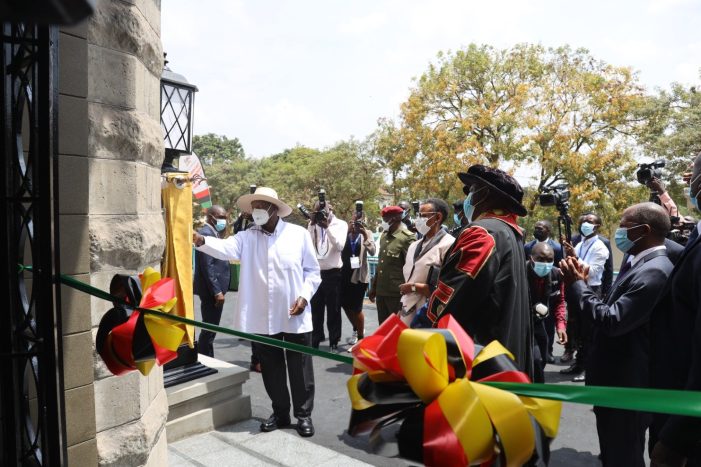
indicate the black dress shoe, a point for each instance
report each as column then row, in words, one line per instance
column 550, row 359
column 305, row 427
column 274, row 422
column 572, row 370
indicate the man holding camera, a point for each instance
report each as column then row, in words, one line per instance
column 329, row 236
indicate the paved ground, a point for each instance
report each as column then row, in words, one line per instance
column 576, row 444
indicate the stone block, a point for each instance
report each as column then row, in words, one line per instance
column 113, row 187
column 77, row 359
column 148, row 189
column 73, row 65
column 83, row 454
column 131, row 443
column 77, row 30
column 74, row 244
column 151, row 11
column 72, row 125
column 125, row 135
column 80, row 414
column 159, row 452
column 112, row 77
column 122, row 26
column 73, row 188
column 75, row 308
column 148, row 93
column 126, row 242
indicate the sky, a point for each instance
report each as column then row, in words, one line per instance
column 279, row 73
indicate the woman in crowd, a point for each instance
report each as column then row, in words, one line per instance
column 424, row 257
column 355, row 275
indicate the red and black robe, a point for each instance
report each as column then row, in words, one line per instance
column 483, row 284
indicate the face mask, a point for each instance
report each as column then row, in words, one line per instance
column 260, row 216
column 622, row 241
column 385, row 226
column 540, row 235
column 405, row 214
column 587, row 228
column 469, row 208
column 422, row 225
column 542, row 269
column 220, row 225
column 456, row 219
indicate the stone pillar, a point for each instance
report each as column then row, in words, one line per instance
column 111, row 149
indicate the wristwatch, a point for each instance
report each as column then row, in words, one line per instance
column 413, row 287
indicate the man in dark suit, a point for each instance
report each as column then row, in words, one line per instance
column 211, row 280
column 676, row 350
column 619, row 351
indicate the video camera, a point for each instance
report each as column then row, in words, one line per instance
column 317, row 216
column 646, row 172
column 559, row 196
column 681, row 229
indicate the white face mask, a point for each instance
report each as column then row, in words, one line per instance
column 260, row 216
column 385, row 226
column 422, row 225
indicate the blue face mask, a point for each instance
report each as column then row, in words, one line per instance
column 542, row 269
column 220, row 225
column 469, row 208
column 621, row 238
column 587, row 228
column 456, row 219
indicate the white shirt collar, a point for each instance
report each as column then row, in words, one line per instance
column 635, row 259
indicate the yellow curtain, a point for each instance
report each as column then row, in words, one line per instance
column 177, row 260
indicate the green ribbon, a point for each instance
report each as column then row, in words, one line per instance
column 687, row 403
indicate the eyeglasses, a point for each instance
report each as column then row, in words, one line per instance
column 427, row 214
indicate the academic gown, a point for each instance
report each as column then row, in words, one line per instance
column 483, row 284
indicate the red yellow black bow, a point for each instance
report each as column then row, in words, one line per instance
column 423, row 385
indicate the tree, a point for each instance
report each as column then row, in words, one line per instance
column 561, row 113
column 211, row 149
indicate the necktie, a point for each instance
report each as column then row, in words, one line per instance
column 624, row 269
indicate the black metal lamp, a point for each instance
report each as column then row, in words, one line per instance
column 177, row 101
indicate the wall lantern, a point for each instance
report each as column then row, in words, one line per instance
column 177, row 104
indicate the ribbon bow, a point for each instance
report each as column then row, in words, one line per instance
column 423, row 387
column 127, row 339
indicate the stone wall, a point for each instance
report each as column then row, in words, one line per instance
column 110, row 219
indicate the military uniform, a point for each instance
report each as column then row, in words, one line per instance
column 389, row 275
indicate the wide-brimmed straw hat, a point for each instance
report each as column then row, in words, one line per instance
column 263, row 194
column 505, row 184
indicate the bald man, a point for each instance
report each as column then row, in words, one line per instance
column 620, row 346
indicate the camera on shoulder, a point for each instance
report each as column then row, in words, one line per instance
column 646, row 172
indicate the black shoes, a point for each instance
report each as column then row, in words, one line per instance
column 572, row 370
column 305, row 428
column 275, row 422
column 550, row 359
column 333, row 348
column 304, row 425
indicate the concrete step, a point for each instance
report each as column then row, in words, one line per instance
column 243, row 444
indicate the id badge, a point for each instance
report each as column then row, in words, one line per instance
column 354, row 262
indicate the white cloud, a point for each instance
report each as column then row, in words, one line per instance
column 363, row 24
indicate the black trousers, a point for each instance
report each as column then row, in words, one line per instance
column 211, row 313
column 277, row 365
column 621, row 436
column 579, row 330
column 540, row 353
column 549, row 323
column 327, row 296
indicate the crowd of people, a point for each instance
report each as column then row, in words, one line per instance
column 638, row 328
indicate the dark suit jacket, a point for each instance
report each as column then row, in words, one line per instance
column 557, row 248
column 676, row 346
column 674, row 251
column 620, row 347
column 211, row 275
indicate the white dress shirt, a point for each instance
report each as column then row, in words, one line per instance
column 592, row 252
column 276, row 269
column 329, row 242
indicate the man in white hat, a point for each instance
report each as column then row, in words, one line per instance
column 279, row 275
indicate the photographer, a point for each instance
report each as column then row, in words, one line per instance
column 328, row 236
column 355, row 274
column 406, row 216
column 657, row 187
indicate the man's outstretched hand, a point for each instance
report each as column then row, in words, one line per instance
column 573, row 271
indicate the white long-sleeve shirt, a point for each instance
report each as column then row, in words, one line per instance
column 592, row 252
column 276, row 269
column 329, row 242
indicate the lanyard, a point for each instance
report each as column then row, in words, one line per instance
column 355, row 245
column 584, row 256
